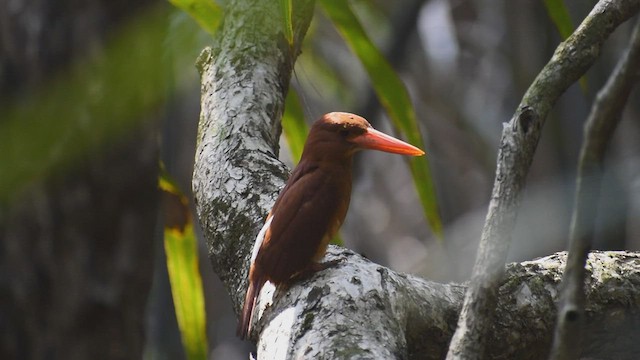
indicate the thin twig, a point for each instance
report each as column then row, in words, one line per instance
column 517, row 147
column 598, row 130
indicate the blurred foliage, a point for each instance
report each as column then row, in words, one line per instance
column 92, row 104
column 87, row 106
column 207, row 13
column 181, row 248
column 559, row 14
column 293, row 124
column 394, row 98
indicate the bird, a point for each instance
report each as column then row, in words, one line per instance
column 312, row 205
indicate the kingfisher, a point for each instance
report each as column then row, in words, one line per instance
column 313, row 204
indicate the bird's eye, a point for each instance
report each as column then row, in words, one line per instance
column 344, row 132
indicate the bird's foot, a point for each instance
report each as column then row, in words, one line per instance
column 325, row 265
column 314, row 268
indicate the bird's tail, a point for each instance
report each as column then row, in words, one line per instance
column 244, row 326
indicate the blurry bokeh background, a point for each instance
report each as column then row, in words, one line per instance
column 94, row 93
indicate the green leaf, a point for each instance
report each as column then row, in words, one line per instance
column 560, row 16
column 181, row 250
column 286, row 6
column 86, row 107
column 207, row 13
column 393, row 96
column 186, row 287
column 293, row 125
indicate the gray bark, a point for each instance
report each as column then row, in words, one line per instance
column 599, row 127
column 361, row 310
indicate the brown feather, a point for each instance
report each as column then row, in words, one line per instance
column 309, row 212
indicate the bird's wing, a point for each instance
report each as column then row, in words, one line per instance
column 309, row 209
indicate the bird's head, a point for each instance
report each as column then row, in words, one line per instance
column 340, row 135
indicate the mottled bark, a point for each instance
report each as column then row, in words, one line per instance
column 237, row 175
column 362, row 310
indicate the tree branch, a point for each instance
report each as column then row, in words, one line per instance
column 237, row 174
column 517, row 147
column 599, row 127
column 363, row 310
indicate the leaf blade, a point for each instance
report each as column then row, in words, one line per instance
column 559, row 14
column 293, row 125
column 206, row 13
column 286, row 7
column 181, row 251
